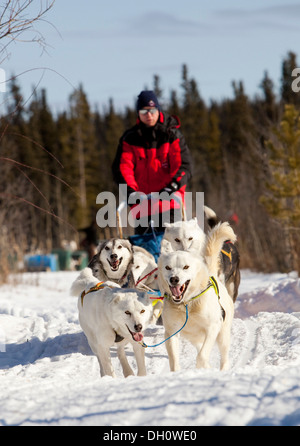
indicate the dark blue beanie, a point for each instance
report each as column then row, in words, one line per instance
column 147, row 98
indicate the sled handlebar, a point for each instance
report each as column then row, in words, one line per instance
column 153, row 195
column 141, row 196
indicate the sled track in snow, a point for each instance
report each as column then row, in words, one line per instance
column 49, row 375
column 268, row 339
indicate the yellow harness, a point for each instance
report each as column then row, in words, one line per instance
column 228, row 254
column 101, row 285
column 97, row 287
column 212, row 283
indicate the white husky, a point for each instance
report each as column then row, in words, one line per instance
column 185, row 281
column 145, row 274
column 188, row 236
column 144, row 268
column 185, row 236
column 113, row 261
column 112, row 315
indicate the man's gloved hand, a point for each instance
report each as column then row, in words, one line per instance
column 170, row 188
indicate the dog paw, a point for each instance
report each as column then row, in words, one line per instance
column 225, row 366
column 202, row 363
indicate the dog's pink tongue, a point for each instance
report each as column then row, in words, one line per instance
column 175, row 290
column 138, row 337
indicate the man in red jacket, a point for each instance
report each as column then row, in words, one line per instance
column 153, row 156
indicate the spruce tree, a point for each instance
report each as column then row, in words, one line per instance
column 195, row 129
column 157, row 88
column 288, row 96
column 114, row 128
column 268, row 104
column 174, row 107
column 282, row 196
column 85, row 157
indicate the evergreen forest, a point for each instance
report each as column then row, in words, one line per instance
column 245, row 150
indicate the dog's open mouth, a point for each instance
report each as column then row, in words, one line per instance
column 178, row 291
column 136, row 335
column 115, row 264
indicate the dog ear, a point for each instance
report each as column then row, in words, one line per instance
column 166, row 246
column 116, row 299
column 93, row 261
column 126, row 243
column 101, row 246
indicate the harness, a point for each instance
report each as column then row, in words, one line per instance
column 226, row 253
column 98, row 286
column 147, row 275
column 212, row 284
column 153, row 295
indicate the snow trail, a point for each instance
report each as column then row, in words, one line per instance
column 49, row 375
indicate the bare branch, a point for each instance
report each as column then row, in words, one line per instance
column 16, row 197
column 27, row 138
column 17, row 163
column 18, row 18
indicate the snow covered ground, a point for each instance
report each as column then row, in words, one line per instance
column 50, row 377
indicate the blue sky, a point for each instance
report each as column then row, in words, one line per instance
column 115, row 48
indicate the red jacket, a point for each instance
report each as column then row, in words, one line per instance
column 150, row 158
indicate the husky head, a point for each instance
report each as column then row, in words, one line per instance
column 114, row 258
column 181, row 275
column 185, row 236
column 144, row 267
column 131, row 313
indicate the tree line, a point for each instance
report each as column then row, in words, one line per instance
column 245, row 150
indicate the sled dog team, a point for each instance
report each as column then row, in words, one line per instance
column 198, row 278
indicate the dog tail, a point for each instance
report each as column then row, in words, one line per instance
column 211, row 216
column 83, row 281
column 220, row 233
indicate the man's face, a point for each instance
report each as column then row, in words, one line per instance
column 149, row 116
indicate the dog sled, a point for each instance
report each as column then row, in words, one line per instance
column 151, row 239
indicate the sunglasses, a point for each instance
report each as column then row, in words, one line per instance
column 151, row 110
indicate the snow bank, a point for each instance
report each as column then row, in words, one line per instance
column 50, row 377
column 268, row 292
